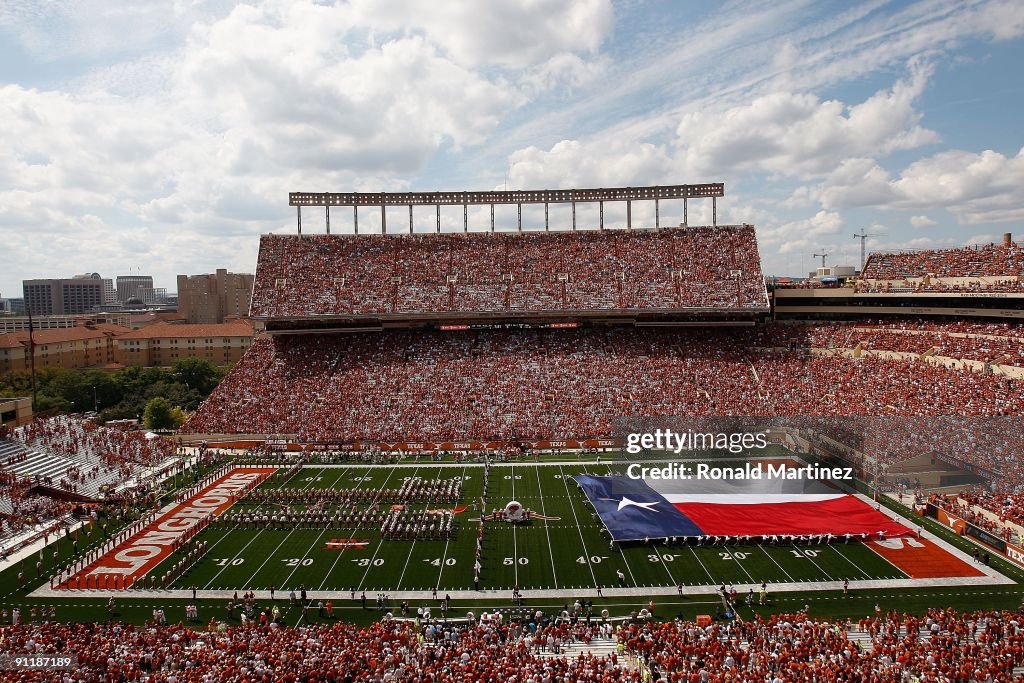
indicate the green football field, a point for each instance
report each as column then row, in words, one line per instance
column 565, row 552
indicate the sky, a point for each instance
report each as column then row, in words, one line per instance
column 162, row 137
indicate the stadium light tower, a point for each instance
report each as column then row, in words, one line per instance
column 863, row 236
column 822, row 256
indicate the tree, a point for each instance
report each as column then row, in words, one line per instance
column 158, row 414
column 197, row 374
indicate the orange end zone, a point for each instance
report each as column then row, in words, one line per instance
column 922, row 559
column 136, row 556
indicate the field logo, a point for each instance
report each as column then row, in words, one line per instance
column 342, row 543
column 138, row 555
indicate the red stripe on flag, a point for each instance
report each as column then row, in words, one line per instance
column 838, row 516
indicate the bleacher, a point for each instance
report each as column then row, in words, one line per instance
column 703, row 268
column 995, row 268
column 438, row 386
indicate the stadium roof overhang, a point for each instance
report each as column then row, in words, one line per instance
column 552, row 319
column 470, row 198
column 467, row 198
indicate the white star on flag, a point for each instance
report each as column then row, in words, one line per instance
column 626, row 502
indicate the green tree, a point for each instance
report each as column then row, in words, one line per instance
column 158, row 414
column 196, row 374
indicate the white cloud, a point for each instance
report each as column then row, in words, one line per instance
column 975, row 187
column 513, row 34
column 802, row 235
column 200, row 140
column 921, row 222
column 563, row 70
column 1003, row 19
column 797, row 134
column 571, row 163
column 51, row 30
column 784, row 133
column 169, row 125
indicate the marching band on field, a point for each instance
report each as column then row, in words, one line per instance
column 415, row 490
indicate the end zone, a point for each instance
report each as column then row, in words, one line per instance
column 123, row 565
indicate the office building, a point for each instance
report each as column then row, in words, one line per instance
column 70, row 296
column 209, row 299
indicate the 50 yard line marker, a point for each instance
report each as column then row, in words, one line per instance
column 547, row 532
column 515, row 547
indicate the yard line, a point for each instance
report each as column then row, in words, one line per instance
column 316, row 544
column 342, row 551
column 227, row 532
column 409, row 556
column 738, row 563
column 543, row 511
column 448, row 540
column 572, row 507
column 515, row 545
column 272, row 554
column 663, row 564
column 855, row 566
column 702, row 565
column 380, row 543
column 255, row 536
column 269, row 556
column 761, row 546
column 803, row 554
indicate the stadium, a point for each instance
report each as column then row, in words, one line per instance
column 425, row 467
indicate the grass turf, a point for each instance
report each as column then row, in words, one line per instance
column 569, row 552
column 566, row 553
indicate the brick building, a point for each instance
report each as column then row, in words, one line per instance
column 212, row 298
column 88, row 346
column 15, row 412
column 161, row 344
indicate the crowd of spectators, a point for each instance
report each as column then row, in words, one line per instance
column 979, row 261
column 564, row 384
column 942, row 645
column 390, row 650
column 971, row 507
column 92, row 453
column 988, row 268
column 78, row 456
column 85, row 439
column 999, row 343
column 698, row 267
column 959, row 286
column 1004, row 503
column 989, row 445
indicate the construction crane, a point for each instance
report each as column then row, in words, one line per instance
column 822, row 256
column 863, row 236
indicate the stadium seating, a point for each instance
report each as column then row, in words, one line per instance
column 441, row 386
column 587, row 270
column 69, row 454
column 990, row 268
column 83, row 457
column 994, row 343
column 942, row 645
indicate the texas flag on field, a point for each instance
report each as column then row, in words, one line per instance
column 636, row 509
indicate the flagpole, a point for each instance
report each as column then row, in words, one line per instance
column 31, row 352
